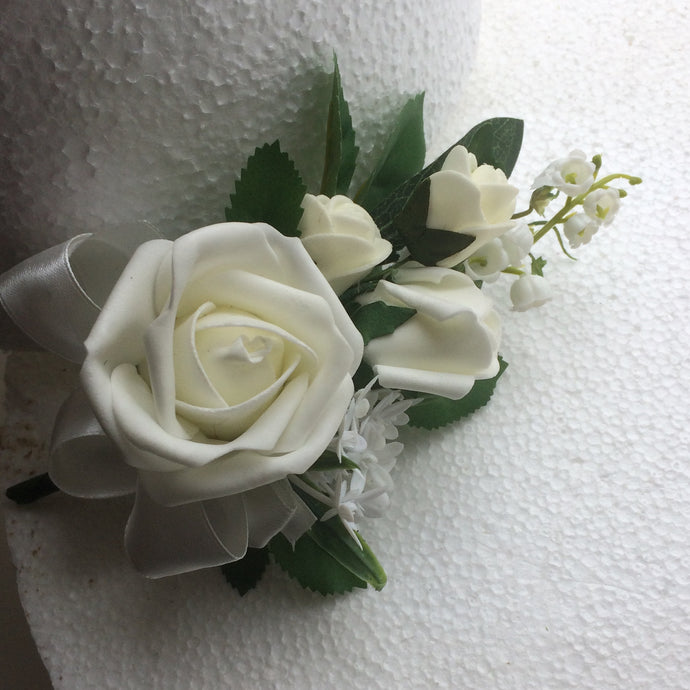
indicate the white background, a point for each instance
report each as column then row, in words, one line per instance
column 542, row 544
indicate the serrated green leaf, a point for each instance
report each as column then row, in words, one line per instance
column 244, row 574
column 426, row 245
column 377, row 319
column 504, row 132
column 402, row 157
column 270, row 190
column 330, row 461
column 312, row 567
column 434, row 411
column 341, row 151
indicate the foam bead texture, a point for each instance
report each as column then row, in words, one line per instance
column 125, row 110
column 543, row 543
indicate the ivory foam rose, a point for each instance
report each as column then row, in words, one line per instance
column 342, row 238
column 447, row 345
column 221, row 362
column 470, row 199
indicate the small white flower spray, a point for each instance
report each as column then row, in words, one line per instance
column 366, row 448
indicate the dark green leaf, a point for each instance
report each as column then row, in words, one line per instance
column 312, row 567
column 330, row 461
column 402, row 157
column 245, row 573
column 363, row 375
column 496, row 142
column 269, row 190
column 335, row 540
column 341, row 151
column 434, row 411
column 378, row 319
column 426, row 245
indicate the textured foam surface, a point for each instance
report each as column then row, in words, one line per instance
column 541, row 544
column 122, row 110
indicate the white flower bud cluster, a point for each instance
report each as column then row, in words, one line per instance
column 367, row 437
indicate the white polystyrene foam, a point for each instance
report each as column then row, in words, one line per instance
column 120, row 110
column 541, row 544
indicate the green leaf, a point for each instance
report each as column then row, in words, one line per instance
column 362, row 376
column 402, row 157
column 496, row 142
column 269, row 190
column 244, row 574
column 312, row 567
column 326, row 558
column 426, row 245
column 378, row 319
column 538, row 263
column 341, row 151
column 330, row 461
column 335, row 540
column 434, row 411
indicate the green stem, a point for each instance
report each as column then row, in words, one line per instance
column 31, row 489
column 512, row 270
column 572, row 202
column 522, row 214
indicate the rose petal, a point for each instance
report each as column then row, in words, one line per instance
column 248, row 469
column 454, row 202
column 128, row 319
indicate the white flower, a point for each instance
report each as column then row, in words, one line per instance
column 508, row 250
column 571, row 175
column 366, row 437
column 529, row 291
column 602, row 205
column 221, row 362
column 450, row 342
column 352, row 500
column 470, row 199
column 370, row 426
column 580, row 228
column 341, row 238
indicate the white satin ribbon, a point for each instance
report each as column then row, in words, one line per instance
column 163, row 541
column 84, row 461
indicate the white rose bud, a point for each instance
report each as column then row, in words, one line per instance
column 602, row 205
column 470, row 199
column 449, row 343
column 571, row 175
column 341, row 238
column 529, row 291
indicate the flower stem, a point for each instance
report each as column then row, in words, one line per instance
column 31, row 489
column 572, row 202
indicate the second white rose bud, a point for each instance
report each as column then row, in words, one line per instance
column 341, row 238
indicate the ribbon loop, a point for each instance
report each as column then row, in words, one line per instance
column 55, row 296
column 84, row 461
